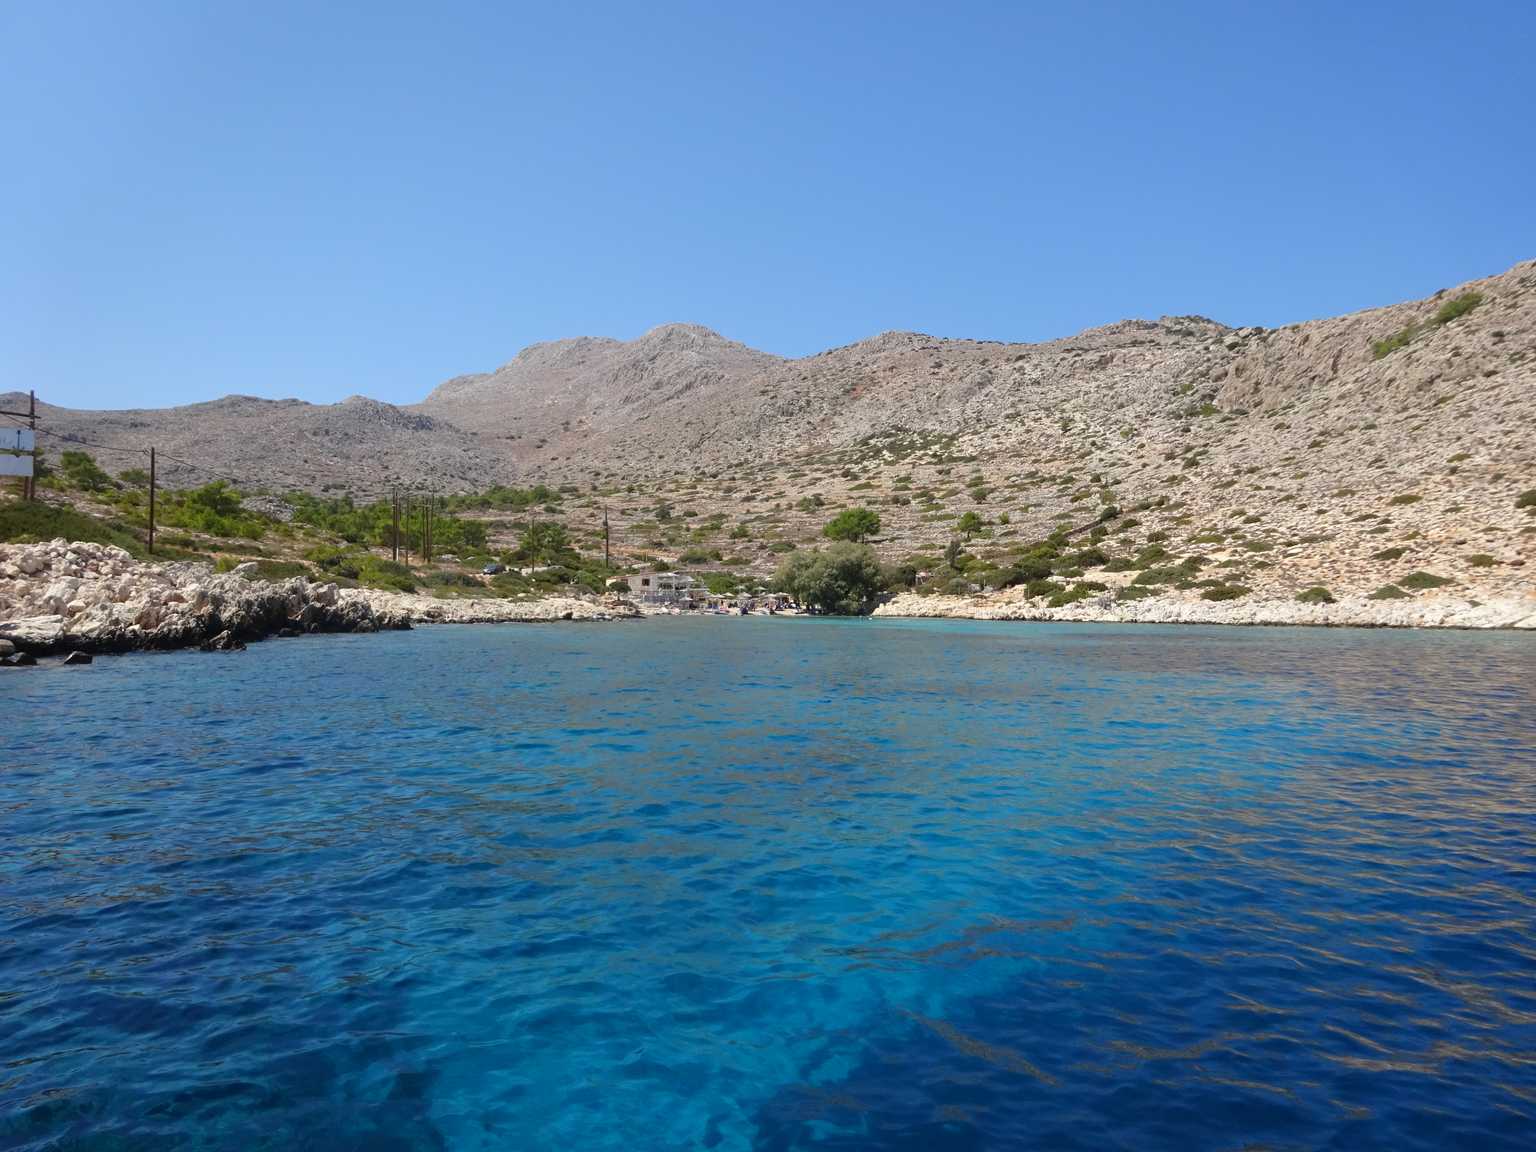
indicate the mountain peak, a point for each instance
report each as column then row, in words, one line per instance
column 682, row 334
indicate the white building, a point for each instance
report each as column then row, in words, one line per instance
column 666, row 588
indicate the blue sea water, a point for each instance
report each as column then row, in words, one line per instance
column 775, row 884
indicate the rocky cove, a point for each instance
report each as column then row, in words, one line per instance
column 63, row 597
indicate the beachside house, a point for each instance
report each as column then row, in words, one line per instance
column 666, row 588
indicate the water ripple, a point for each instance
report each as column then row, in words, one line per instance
column 776, row 885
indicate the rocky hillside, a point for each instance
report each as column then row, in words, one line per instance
column 1386, row 452
column 682, row 398
column 360, row 444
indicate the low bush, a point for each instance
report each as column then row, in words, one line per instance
column 31, row 521
column 1024, row 571
column 1388, row 592
column 1457, row 307
column 1087, row 558
column 1224, row 592
column 1421, row 580
column 1384, row 348
column 1166, row 574
column 1316, row 594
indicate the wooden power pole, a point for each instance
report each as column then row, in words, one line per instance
column 151, row 501
column 30, row 487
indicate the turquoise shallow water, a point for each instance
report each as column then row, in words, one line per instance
column 775, row 884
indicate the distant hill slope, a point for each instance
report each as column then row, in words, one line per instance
column 682, row 399
column 359, row 444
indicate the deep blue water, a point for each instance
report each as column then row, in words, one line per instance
column 775, row 884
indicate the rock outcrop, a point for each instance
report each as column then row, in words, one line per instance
column 67, row 597
column 1433, row 611
column 61, row 597
column 429, row 610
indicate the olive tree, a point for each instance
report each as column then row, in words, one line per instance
column 841, row 580
column 854, row 524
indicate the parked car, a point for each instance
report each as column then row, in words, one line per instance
column 492, row 569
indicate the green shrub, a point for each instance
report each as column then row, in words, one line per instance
column 1024, row 571
column 1224, row 592
column 1421, row 580
column 1457, row 307
column 1087, row 558
column 1166, row 574
column 80, row 470
column 31, row 521
column 722, row 583
column 1526, row 499
column 1384, row 348
column 1070, row 596
column 1136, row 592
column 1481, row 560
column 1316, row 594
column 215, row 509
column 1042, row 588
column 335, row 561
column 1395, row 553
column 1388, row 592
column 275, row 570
column 1406, row 498
column 511, row 583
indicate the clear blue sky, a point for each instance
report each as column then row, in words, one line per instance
column 316, row 199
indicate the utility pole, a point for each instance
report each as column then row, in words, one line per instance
column 606, row 563
column 30, row 487
column 151, row 501
column 394, row 523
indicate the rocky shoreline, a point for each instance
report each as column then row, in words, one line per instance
column 1429, row 611
column 62, row 597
